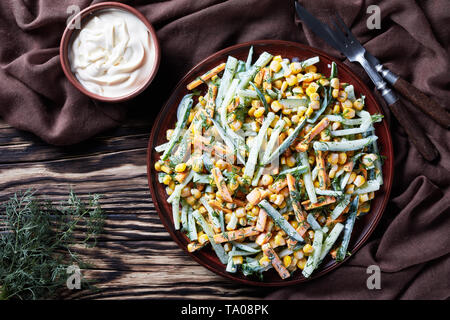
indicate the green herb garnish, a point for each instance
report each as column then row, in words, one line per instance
column 37, row 247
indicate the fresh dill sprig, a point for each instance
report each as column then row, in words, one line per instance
column 37, row 247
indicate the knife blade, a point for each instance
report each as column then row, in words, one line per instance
column 319, row 28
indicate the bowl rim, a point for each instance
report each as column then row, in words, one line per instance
column 172, row 231
column 67, row 35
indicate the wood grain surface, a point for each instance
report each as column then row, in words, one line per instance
column 135, row 257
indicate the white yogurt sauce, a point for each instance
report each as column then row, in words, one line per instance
column 112, row 55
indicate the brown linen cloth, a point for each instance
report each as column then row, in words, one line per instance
column 411, row 245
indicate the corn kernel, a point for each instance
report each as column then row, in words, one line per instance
column 233, row 185
column 221, row 164
column 342, row 158
column 268, row 98
column 336, row 109
column 334, row 83
column 348, row 113
column 275, row 65
column 276, row 106
column 172, row 185
column 312, row 69
column 287, row 260
column 278, row 58
column 266, row 180
column 335, row 125
column 301, row 264
column 298, row 254
column 314, row 96
column 278, row 84
column 158, row 165
column 358, row 104
column 295, row 67
column 169, row 134
column 169, row 191
column 167, row 179
column 307, row 249
column 279, row 199
column 311, row 159
column 292, row 80
column 202, row 209
column 191, row 247
column 359, row 181
column 368, row 159
column 243, row 221
column 238, row 259
column 290, row 161
column 312, row 88
column 236, row 125
column 297, row 90
column 180, row 167
column 335, row 93
column 279, row 240
column 295, row 119
column 240, row 212
column 273, row 197
column 196, row 193
column 185, row 192
column 347, row 104
column 325, row 135
column 324, row 82
column 352, row 178
column 365, row 207
column 284, row 86
column 190, row 200
column 286, row 111
column 191, row 117
column 300, row 112
column 228, row 246
column 342, row 96
column 294, row 224
column 315, row 105
column 203, row 238
column 333, row 171
column 264, row 261
column 363, row 198
column 350, row 189
column 166, row 169
column 333, row 158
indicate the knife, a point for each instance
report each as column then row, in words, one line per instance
column 353, row 50
column 426, row 104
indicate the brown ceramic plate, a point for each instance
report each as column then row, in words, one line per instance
column 167, row 118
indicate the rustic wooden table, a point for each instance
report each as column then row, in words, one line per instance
column 135, row 258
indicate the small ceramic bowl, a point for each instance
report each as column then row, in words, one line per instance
column 66, row 40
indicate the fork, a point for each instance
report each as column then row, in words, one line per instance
column 354, row 51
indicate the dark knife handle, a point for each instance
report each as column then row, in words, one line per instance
column 417, row 97
column 415, row 133
column 426, row 104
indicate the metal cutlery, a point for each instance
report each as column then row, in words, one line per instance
column 343, row 40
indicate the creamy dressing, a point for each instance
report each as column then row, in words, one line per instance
column 112, row 55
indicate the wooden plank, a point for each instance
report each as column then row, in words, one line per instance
column 135, row 258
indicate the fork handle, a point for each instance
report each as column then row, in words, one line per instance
column 414, row 132
column 417, row 97
column 426, row 104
